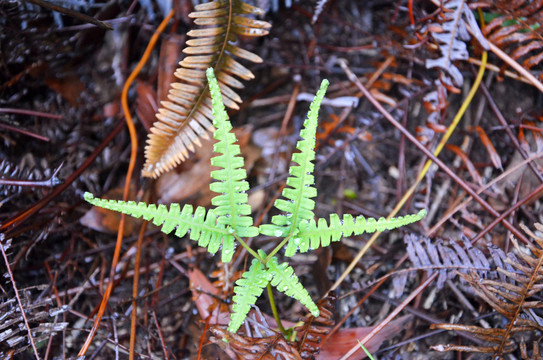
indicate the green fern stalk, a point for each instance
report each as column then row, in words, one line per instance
column 231, row 219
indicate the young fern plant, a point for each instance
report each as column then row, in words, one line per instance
column 230, row 221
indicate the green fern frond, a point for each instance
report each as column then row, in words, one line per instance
column 202, row 227
column 298, row 204
column 247, row 290
column 313, row 234
column 286, row 281
column 232, row 207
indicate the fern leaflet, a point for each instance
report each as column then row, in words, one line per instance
column 313, row 234
column 232, row 208
column 247, row 290
column 286, row 281
column 298, row 203
column 203, row 229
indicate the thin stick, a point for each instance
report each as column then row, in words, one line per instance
column 131, row 165
column 25, row 320
column 24, row 132
column 389, row 318
column 50, row 183
column 30, row 113
column 25, row 214
column 135, row 283
column 72, row 13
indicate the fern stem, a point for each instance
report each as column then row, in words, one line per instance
column 274, row 310
column 277, row 248
column 249, row 250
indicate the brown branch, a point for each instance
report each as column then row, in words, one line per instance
column 23, row 314
column 72, row 13
column 428, row 153
column 25, row 214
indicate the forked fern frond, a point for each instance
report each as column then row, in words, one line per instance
column 186, row 117
column 231, row 219
column 247, row 290
column 203, row 228
column 231, row 203
column 314, row 234
column 286, row 281
column 298, row 204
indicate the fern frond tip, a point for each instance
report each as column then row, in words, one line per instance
column 88, row 196
column 422, row 214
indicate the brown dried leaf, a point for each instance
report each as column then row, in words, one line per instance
column 492, row 153
column 467, row 161
column 345, row 339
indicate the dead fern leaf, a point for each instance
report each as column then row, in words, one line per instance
column 447, row 260
column 451, row 35
column 259, row 342
column 315, row 329
column 518, row 30
column 186, row 117
column 41, row 318
column 515, row 298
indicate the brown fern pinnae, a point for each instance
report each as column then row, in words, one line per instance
column 515, row 297
column 519, row 31
column 313, row 329
column 186, row 117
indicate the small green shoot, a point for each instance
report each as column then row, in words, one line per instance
column 368, row 354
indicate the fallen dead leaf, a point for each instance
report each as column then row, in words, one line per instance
column 345, row 339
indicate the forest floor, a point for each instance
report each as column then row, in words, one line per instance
column 472, row 261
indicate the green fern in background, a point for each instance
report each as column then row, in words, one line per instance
column 231, row 219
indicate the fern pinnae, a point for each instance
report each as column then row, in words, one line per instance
column 286, row 281
column 231, row 204
column 298, row 204
column 247, row 290
column 200, row 225
column 186, row 116
column 314, row 234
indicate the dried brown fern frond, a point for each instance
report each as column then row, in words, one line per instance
column 186, row 118
column 515, row 298
column 447, row 259
column 450, row 35
column 259, row 343
column 519, row 30
column 41, row 314
column 315, row 329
